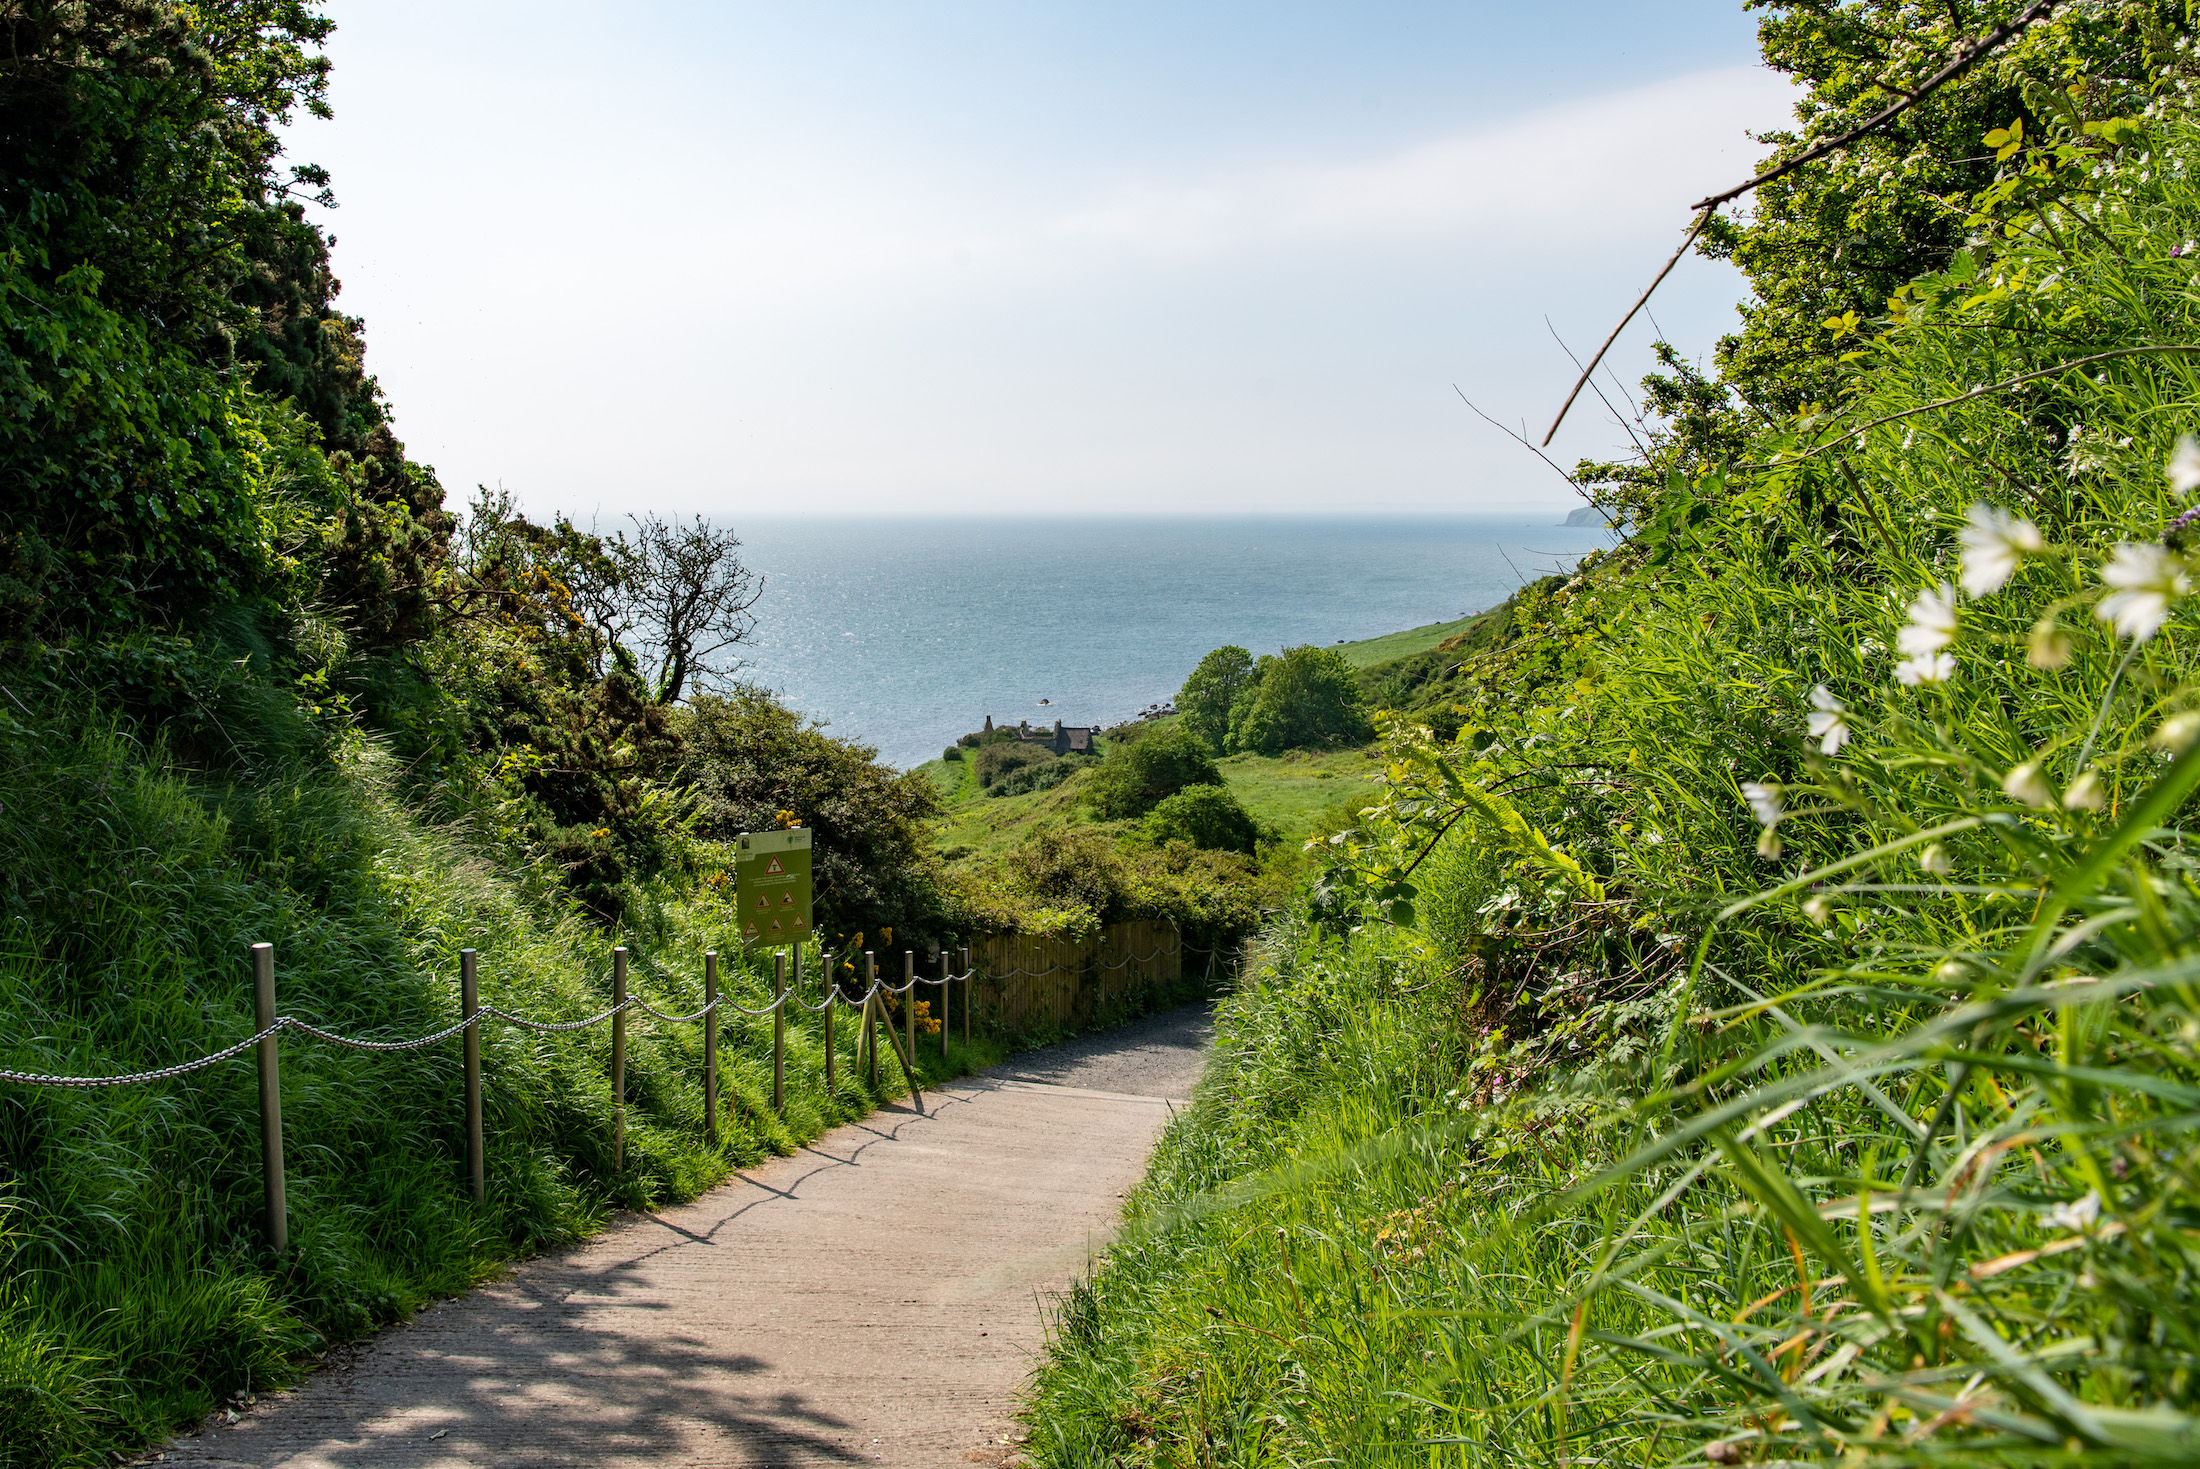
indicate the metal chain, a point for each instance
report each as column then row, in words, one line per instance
column 679, row 1019
column 32, row 1078
column 344, row 1040
column 745, row 1010
column 549, row 1025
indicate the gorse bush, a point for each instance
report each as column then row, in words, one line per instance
column 1767, row 1031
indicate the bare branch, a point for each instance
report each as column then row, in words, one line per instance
column 1709, row 206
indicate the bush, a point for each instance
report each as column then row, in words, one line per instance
column 1002, row 757
column 952, row 752
column 1207, row 817
column 1309, row 696
column 746, row 759
column 1140, row 774
column 1041, row 777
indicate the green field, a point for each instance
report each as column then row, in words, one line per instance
column 1370, row 651
column 1291, row 792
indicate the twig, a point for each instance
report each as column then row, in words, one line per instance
column 1709, row 206
column 1641, row 301
column 1524, row 443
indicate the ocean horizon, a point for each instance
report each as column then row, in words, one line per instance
column 906, row 632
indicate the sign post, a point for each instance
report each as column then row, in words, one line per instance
column 771, row 872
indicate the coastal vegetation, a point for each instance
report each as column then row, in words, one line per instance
column 1753, row 1022
column 260, row 681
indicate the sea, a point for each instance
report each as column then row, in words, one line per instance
column 906, row 633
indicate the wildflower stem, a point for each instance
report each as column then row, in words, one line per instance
column 2107, row 701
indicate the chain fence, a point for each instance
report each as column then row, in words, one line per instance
column 867, row 1002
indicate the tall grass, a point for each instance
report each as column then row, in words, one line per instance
column 1860, row 1130
column 134, row 1290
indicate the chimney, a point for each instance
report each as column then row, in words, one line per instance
column 989, row 724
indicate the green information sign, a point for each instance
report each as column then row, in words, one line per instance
column 771, row 878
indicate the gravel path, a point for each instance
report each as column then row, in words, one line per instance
column 873, row 1299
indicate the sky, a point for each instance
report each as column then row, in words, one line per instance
column 1021, row 258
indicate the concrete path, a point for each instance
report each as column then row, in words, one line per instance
column 873, row 1299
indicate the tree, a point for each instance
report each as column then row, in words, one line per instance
column 689, row 596
column 1207, row 695
column 1309, row 696
column 1148, row 769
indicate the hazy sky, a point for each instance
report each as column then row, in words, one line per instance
column 1019, row 257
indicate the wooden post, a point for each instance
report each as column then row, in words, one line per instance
column 271, row 1099
column 832, row 998
column 909, row 1003
column 779, row 1034
column 969, row 976
column 618, row 1060
column 870, row 1017
column 710, row 1047
column 469, row 1007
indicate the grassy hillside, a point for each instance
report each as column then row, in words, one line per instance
column 138, row 1295
column 1391, row 646
column 1761, row 1029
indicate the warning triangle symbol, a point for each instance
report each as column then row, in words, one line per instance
column 774, row 869
column 775, row 924
column 785, row 899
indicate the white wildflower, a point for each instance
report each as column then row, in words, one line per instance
column 1764, row 802
column 1817, row 909
column 2183, row 469
column 1934, row 859
column 1932, row 624
column 1829, row 720
column 2144, row 580
column 2178, row 732
column 1925, row 668
column 2085, row 793
column 1994, row 541
column 2081, row 1214
column 2026, row 784
column 2050, row 646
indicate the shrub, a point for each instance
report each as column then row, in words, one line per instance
column 1003, row 757
column 1207, row 817
column 952, row 752
column 1139, row 775
column 1026, row 779
column 1309, row 696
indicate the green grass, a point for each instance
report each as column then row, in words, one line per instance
column 1392, row 646
column 135, row 1294
column 1849, row 1117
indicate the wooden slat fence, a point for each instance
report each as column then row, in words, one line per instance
column 1029, row 986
